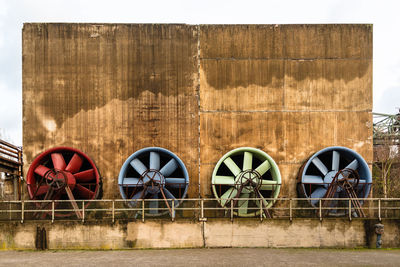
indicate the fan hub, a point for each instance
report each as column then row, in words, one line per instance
column 248, row 181
column 341, row 178
column 59, row 179
column 154, row 181
column 329, row 178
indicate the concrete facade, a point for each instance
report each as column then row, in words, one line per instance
column 197, row 90
column 336, row 233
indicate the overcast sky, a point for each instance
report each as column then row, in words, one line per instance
column 384, row 15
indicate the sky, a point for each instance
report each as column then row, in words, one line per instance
column 384, row 15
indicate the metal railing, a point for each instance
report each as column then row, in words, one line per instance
column 200, row 209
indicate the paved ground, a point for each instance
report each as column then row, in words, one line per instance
column 204, row 257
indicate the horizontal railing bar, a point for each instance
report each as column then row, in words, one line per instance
column 195, row 200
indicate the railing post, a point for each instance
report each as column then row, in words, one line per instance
column 261, row 210
column 320, row 209
column 379, row 210
column 113, row 210
column 232, row 210
column 142, row 210
column 172, row 210
column 350, row 209
column 290, row 210
column 52, row 211
column 22, row 211
column 83, row 211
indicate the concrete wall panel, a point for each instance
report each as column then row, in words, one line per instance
column 286, row 41
column 289, row 90
column 111, row 90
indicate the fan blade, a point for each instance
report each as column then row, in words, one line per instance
column 247, row 161
column 84, row 192
column 41, row 170
column 268, row 185
column 41, row 190
column 140, row 195
column 313, row 179
column 335, row 160
column 175, row 182
column 169, row 195
column 243, row 204
column 138, row 166
column 232, row 166
column 228, row 180
column 169, row 168
column 321, row 167
column 153, row 205
column 154, row 161
column 58, row 161
column 132, row 182
column 85, row 176
column 264, row 167
column 230, row 193
column 318, row 193
column 353, row 165
column 74, row 164
column 73, row 202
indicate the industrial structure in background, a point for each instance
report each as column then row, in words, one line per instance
column 386, row 128
column 11, row 171
column 386, row 167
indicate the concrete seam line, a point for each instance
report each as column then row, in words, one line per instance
column 198, row 103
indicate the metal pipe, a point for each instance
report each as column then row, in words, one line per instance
column 113, row 211
column 232, row 210
column 349, row 209
column 202, row 209
column 52, row 211
column 142, row 210
column 83, row 211
column 172, row 210
column 320, row 209
column 379, row 210
column 22, row 211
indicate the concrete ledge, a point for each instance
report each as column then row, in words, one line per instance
column 338, row 233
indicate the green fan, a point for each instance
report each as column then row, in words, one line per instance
column 246, row 173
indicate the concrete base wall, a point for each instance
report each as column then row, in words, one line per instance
column 339, row 233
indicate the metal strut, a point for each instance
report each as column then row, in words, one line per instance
column 348, row 179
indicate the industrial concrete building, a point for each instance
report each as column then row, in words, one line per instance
column 197, row 90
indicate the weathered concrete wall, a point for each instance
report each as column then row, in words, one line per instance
column 111, row 89
column 289, row 90
column 339, row 233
